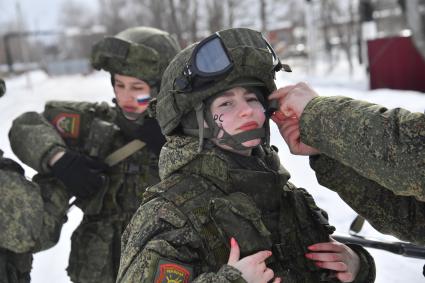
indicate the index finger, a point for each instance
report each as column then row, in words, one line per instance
column 281, row 92
column 327, row 246
column 261, row 256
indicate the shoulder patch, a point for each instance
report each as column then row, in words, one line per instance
column 67, row 124
column 169, row 271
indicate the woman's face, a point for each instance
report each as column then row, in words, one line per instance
column 132, row 94
column 238, row 110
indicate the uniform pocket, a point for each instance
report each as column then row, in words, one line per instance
column 93, row 255
column 237, row 215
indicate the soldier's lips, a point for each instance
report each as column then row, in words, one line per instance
column 248, row 126
column 129, row 109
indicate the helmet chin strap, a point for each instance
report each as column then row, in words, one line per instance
column 233, row 141
column 236, row 141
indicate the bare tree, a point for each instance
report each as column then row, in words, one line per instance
column 416, row 22
column 263, row 16
column 215, row 13
column 111, row 17
column 194, row 21
column 231, row 6
column 175, row 23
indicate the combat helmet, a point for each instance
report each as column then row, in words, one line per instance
column 227, row 59
column 2, row 87
column 140, row 52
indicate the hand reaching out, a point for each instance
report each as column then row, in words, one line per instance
column 293, row 99
column 289, row 129
column 253, row 267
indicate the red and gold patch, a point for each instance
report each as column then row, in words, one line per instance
column 67, row 124
column 173, row 272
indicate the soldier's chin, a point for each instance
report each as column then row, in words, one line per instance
column 132, row 116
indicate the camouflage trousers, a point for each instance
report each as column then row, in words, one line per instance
column 95, row 248
column 15, row 268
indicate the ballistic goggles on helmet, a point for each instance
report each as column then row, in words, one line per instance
column 113, row 54
column 211, row 59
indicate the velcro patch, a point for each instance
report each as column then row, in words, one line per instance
column 67, row 124
column 173, row 272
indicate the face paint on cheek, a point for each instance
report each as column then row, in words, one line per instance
column 218, row 117
column 143, row 100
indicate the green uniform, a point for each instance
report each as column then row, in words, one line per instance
column 401, row 216
column 96, row 130
column 30, row 214
column 181, row 233
column 373, row 158
column 385, row 146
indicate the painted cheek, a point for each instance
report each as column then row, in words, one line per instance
column 143, row 100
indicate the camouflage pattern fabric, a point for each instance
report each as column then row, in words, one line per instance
column 140, row 52
column 31, row 216
column 88, row 128
column 385, row 146
column 249, row 63
column 182, row 230
column 21, row 206
column 401, row 216
column 15, row 267
column 20, row 222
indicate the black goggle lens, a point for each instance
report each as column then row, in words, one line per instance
column 211, row 57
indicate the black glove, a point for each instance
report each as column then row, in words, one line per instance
column 80, row 173
column 10, row 165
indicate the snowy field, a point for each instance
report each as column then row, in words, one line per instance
column 30, row 92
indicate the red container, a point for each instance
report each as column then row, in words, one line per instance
column 395, row 63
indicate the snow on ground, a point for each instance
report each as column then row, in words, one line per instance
column 30, row 92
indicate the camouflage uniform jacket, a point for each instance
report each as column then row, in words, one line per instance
column 91, row 129
column 182, row 230
column 385, row 146
column 401, row 216
column 28, row 221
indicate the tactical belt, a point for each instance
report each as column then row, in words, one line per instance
column 122, row 153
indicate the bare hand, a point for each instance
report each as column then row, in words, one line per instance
column 253, row 267
column 337, row 257
column 293, row 99
column 289, row 129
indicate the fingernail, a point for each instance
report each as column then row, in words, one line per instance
column 312, row 247
column 309, row 256
column 318, row 263
column 232, row 242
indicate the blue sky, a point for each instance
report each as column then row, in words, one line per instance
column 37, row 14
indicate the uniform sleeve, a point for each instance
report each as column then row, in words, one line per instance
column 34, row 140
column 20, row 209
column 386, row 146
column 159, row 245
column 55, row 208
column 367, row 272
column 401, row 216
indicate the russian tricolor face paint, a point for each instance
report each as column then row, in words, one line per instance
column 143, row 99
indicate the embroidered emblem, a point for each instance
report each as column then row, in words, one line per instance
column 172, row 272
column 67, row 124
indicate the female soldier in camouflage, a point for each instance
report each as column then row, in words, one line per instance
column 104, row 156
column 223, row 190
